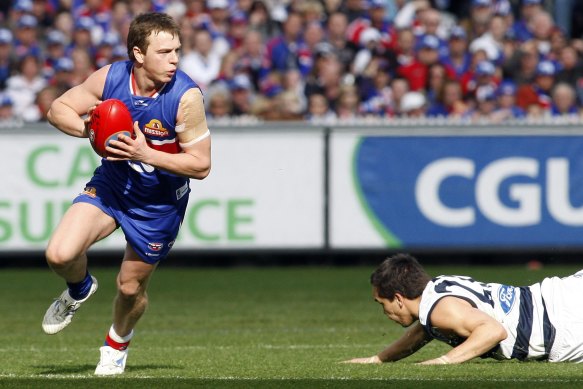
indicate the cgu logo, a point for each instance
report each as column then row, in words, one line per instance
column 528, row 196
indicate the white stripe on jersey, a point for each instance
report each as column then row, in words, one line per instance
column 521, row 311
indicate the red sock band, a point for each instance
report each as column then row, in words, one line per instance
column 113, row 344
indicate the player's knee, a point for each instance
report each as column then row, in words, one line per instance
column 129, row 290
column 58, row 256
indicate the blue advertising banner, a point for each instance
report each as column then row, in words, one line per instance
column 473, row 191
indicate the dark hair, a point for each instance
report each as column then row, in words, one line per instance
column 144, row 25
column 401, row 274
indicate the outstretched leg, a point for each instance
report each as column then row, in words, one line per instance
column 82, row 225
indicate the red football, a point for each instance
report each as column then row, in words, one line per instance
column 108, row 120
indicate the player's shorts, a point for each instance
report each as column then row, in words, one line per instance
column 150, row 237
column 563, row 301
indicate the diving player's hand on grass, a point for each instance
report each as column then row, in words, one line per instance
column 368, row 360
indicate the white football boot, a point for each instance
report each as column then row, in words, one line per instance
column 61, row 312
column 112, row 361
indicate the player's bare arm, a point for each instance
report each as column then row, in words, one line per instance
column 410, row 342
column 482, row 332
column 193, row 136
column 67, row 111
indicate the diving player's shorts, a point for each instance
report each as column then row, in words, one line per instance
column 151, row 235
column 563, row 297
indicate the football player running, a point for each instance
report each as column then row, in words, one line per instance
column 543, row 321
column 142, row 186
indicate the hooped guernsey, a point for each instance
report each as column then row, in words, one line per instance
column 148, row 204
column 544, row 321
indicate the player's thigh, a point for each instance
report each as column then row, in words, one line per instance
column 82, row 225
column 134, row 273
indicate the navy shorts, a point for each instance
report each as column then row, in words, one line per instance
column 151, row 237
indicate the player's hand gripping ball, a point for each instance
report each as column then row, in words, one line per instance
column 109, row 119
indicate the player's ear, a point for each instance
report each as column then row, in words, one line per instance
column 138, row 54
column 399, row 299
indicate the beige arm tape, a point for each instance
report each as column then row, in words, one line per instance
column 192, row 126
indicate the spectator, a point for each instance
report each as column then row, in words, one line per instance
column 484, row 73
column 522, row 68
column 564, row 102
column 104, row 50
column 571, row 67
column 400, row 87
column 319, row 111
column 43, row 101
column 448, row 102
column 485, row 105
column 219, row 104
column 539, row 93
column 325, row 78
column 413, row 105
column 23, row 87
column 7, row 116
column 436, row 78
column 62, row 77
column 260, row 20
column 237, row 31
column 458, row 59
column 55, row 49
column 416, row 71
column 375, row 89
column 203, row 63
column 541, row 26
column 6, row 60
column 336, row 38
column 242, row 96
column 251, row 57
column 26, row 37
column 506, row 100
column 528, row 9
column 82, row 65
column 288, row 49
column 492, row 41
column 480, row 14
column 348, row 104
column 83, row 36
column 288, row 106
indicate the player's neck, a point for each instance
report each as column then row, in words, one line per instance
column 142, row 85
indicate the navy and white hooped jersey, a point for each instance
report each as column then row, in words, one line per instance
column 521, row 310
column 148, row 191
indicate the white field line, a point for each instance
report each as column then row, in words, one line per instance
column 236, row 378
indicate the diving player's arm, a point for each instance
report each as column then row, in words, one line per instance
column 411, row 341
column 67, row 110
column 482, row 332
column 193, row 136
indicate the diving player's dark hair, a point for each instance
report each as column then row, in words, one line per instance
column 401, row 274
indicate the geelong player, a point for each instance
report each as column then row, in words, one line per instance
column 142, row 188
column 543, row 321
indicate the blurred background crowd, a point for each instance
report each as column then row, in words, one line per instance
column 322, row 61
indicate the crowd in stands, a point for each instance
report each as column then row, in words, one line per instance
column 323, row 61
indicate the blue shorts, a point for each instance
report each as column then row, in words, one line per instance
column 151, row 237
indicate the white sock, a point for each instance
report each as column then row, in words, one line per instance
column 120, row 339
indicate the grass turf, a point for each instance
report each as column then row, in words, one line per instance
column 245, row 328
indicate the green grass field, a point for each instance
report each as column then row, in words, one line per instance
column 244, row 328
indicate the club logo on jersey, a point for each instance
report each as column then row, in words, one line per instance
column 506, row 296
column 155, row 128
column 155, row 246
column 90, row 191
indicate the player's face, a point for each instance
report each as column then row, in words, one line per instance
column 161, row 57
column 394, row 310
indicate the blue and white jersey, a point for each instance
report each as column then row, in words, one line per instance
column 148, row 191
column 521, row 310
